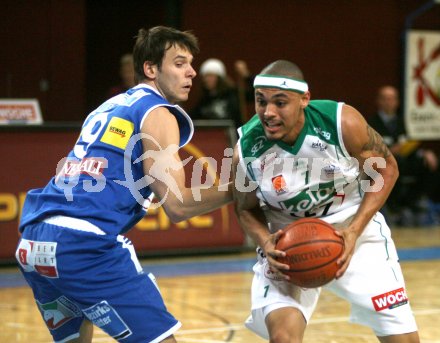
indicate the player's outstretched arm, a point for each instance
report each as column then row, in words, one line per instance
column 377, row 162
column 163, row 165
column 253, row 221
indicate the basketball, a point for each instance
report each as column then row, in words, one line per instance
column 312, row 248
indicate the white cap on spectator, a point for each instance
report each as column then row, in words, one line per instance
column 213, row 66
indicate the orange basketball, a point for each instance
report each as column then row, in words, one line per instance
column 312, row 248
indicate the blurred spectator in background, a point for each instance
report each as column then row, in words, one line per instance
column 126, row 74
column 419, row 170
column 245, row 87
column 219, row 98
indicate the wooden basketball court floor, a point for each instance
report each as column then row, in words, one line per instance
column 210, row 295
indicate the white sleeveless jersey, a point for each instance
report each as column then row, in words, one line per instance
column 315, row 177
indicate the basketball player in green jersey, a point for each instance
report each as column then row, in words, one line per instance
column 317, row 158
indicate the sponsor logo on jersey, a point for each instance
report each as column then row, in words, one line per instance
column 38, row 256
column 58, row 312
column 319, row 145
column 327, row 135
column 268, row 159
column 279, row 184
column 390, row 300
column 22, row 256
column 90, row 166
column 118, row 132
column 105, row 317
column 331, row 170
column 23, row 253
column 310, row 203
column 258, row 145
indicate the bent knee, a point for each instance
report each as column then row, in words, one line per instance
column 284, row 336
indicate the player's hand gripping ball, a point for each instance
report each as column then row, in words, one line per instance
column 312, row 248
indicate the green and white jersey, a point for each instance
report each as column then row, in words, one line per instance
column 316, row 177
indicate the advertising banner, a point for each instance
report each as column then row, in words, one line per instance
column 30, row 158
column 422, row 85
column 20, row 111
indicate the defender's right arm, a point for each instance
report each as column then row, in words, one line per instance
column 166, row 167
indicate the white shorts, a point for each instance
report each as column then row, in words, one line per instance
column 373, row 284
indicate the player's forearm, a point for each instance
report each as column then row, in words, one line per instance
column 181, row 203
column 196, row 201
column 254, row 225
column 199, row 200
column 376, row 196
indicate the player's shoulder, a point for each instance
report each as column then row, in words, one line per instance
column 323, row 113
column 252, row 139
column 161, row 116
column 323, row 106
column 351, row 116
column 171, row 119
column 251, row 127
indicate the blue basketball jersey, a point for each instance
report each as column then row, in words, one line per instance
column 97, row 180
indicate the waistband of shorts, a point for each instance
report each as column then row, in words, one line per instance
column 74, row 224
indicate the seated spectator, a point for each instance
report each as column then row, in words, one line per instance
column 126, row 74
column 219, row 98
column 418, row 167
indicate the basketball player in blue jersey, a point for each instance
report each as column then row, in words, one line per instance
column 82, row 271
column 310, row 158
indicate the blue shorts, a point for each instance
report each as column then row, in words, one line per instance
column 78, row 275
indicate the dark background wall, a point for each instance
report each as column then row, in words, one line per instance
column 66, row 52
column 42, row 55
